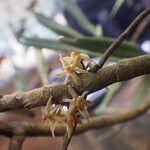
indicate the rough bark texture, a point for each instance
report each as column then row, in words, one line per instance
column 123, row 70
column 33, row 129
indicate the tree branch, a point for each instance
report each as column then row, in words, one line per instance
column 17, row 139
column 16, row 142
column 120, row 39
column 65, row 143
column 123, row 70
column 33, row 129
column 141, row 29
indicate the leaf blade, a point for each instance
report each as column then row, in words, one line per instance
column 53, row 44
column 79, row 16
column 99, row 45
column 59, row 29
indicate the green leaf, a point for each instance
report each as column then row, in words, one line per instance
column 116, row 7
column 79, row 16
column 99, row 45
column 142, row 91
column 53, row 44
column 59, row 29
column 20, row 80
column 110, row 93
column 41, row 66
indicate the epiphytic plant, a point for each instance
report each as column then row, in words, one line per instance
column 77, row 105
column 83, row 80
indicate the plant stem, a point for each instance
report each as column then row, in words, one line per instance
column 120, row 39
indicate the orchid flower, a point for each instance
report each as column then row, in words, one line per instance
column 76, row 58
column 70, row 71
column 78, row 102
column 51, row 115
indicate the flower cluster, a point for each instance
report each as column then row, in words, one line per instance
column 73, row 66
column 77, row 107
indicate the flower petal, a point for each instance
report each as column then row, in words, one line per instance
column 69, row 130
column 53, row 126
column 84, row 112
column 88, row 103
column 76, row 79
column 76, row 61
column 61, row 74
column 64, row 62
column 48, row 105
column 72, row 92
column 67, row 78
column 85, row 57
column 81, row 70
column 84, row 94
column 67, row 100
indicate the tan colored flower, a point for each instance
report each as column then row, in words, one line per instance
column 70, row 124
column 70, row 71
column 71, row 121
column 78, row 103
column 54, row 114
column 82, row 105
column 51, row 115
column 76, row 58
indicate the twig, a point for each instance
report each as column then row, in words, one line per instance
column 121, row 71
column 65, row 143
column 141, row 29
column 33, row 129
column 120, row 39
column 110, row 133
column 17, row 139
column 16, row 142
column 66, row 140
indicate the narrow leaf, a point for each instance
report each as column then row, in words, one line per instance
column 54, row 44
column 59, row 29
column 142, row 91
column 79, row 16
column 110, row 93
column 116, row 7
column 99, row 45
